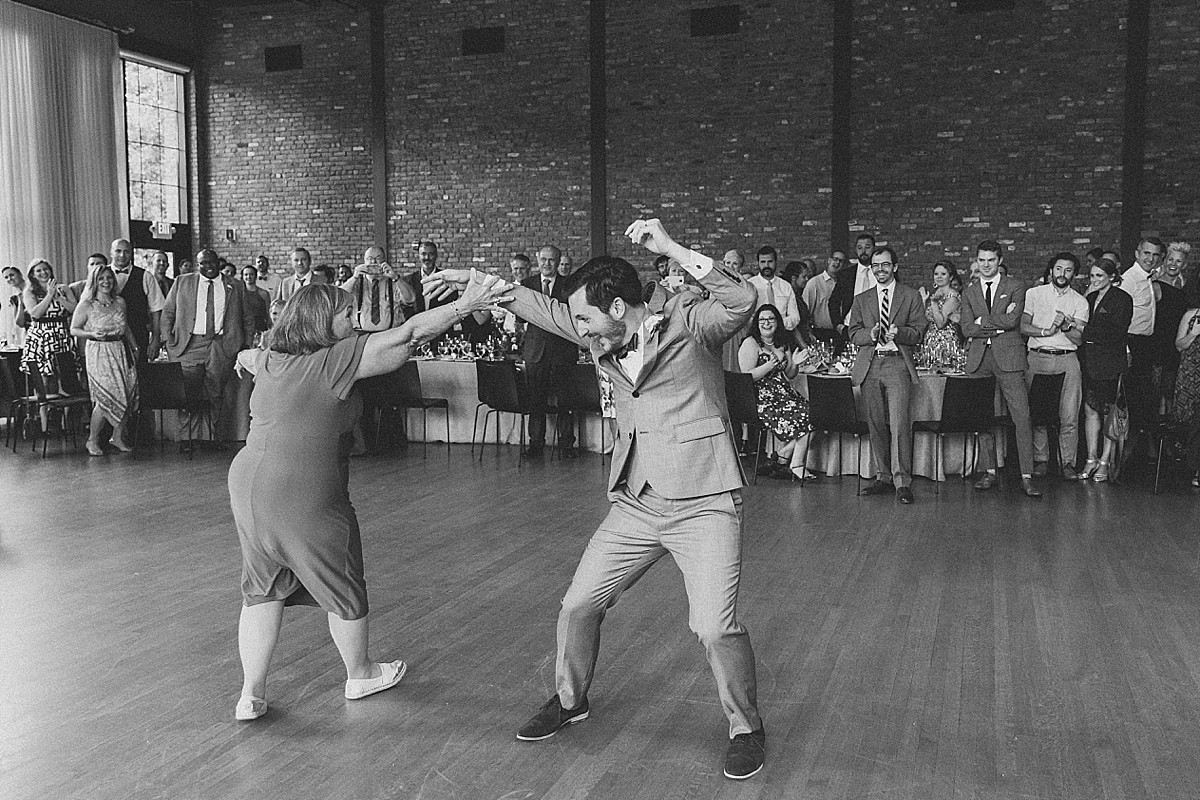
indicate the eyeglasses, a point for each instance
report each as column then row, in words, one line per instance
column 886, row 264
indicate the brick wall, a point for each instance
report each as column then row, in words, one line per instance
column 1001, row 125
column 289, row 152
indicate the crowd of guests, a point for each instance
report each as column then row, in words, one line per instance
column 1123, row 339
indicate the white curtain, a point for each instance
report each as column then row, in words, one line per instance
column 60, row 99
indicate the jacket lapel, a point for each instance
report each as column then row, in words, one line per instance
column 649, row 353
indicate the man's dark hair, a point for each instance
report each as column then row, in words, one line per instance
column 862, row 236
column 1154, row 240
column 1063, row 256
column 891, row 254
column 100, row 256
column 428, row 244
column 660, row 261
column 1096, row 253
column 604, row 279
column 766, row 250
column 991, row 246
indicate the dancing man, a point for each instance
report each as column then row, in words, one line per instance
column 675, row 483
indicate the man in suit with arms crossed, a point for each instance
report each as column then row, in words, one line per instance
column 545, row 354
column 205, row 323
column 675, row 482
column 991, row 320
column 886, row 322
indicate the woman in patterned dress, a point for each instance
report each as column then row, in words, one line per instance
column 1186, row 409
column 109, row 349
column 771, row 357
column 50, row 305
column 941, row 309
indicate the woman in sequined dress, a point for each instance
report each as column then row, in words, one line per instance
column 941, row 309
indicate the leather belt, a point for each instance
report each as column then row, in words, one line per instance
column 1051, row 351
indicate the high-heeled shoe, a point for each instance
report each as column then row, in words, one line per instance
column 93, row 449
column 1101, row 473
column 1089, row 469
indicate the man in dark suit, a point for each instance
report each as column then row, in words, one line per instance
column 850, row 283
column 991, row 320
column 205, row 323
column 886, row 322
column 545, row 354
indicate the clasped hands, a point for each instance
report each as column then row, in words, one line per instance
column 478, row 290
column 884, row 335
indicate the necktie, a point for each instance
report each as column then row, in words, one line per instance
column 545, row 286
column 375, row 302
column 771, row 292
column 210, row 313
column 885, row 316
column 987, row 295
column 625, row 349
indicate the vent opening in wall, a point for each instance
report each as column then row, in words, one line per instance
column 979, row 6
column 283, row 59
column 716, row 20
column 482, row 41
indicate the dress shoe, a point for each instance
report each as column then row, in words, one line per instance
column 1069, row 473
column 568, row 452
column 531, row 452
column 875, row 487
column 1029, row 489
column 389, row 675
column 904, row 495
column 986, row 482
column 1040, row 469
column 550, row 719
column 745, row 755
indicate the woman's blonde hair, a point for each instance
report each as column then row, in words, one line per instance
column 306, row 323
column 93, row 282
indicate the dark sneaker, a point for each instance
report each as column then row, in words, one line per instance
column 745, row 754
column 550, row 718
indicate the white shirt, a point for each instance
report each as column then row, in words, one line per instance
column 1140, row 286
column 635, row 359
column 10, row 334
column 1040, row 304
column 202, row 305
column 785, row 298
column 890, row 289
column 154, row 296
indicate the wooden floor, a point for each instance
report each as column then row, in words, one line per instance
column 970, row 646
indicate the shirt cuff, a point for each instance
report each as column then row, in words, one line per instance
column 697, row 264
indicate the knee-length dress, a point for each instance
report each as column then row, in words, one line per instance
column 112, row 377
column 780, row 407
column 289, row 486
column 45, row 337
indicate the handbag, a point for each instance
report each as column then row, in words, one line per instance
column 1116, row 423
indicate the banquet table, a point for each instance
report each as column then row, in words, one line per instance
column 835, row 454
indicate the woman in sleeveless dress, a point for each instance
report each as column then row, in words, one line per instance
column 942, row 310
column 289, row 486
column 1186, row 410
column 771, row 357
column 109, row 345
column 49, row 304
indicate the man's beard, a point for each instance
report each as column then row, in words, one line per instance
column 613, row 335
column 1062, row 282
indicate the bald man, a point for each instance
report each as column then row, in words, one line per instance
column 144, row 300
column 379, row 293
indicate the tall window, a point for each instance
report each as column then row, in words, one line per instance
column 155, row 135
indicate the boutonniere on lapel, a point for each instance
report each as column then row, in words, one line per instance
column 653, row 323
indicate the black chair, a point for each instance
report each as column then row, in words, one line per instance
column 578, row 390
column 501, row 389
column 398, row 391
column 832, row 409
column 160, row 388
column 742, row 399
column 1045, row 394
column 12, row 397
column 968, row 407
column 72, row 395
column 1163, row 432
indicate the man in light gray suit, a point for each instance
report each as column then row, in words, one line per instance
column 886, row 322
column 675, row 483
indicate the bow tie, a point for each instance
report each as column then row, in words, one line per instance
column 121, row 271
column 626, row 348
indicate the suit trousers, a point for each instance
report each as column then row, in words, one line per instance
column 1016, row 397
column 541, row 378
column 704, row 536
column 205, row 372
column 1068, row 405
column 887, row 393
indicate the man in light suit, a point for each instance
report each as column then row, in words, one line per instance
column 675, row 482
column 545, row 354
column 886, row 322
column 205, row 323
column 302, row 274
column 991, row 320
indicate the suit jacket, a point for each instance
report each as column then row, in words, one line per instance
column 287, row 287
column 1107, row 333
column 907, row 313
column 539, row 344
column 179, row 316
column 675, row 412
column 996, row 323
column 841, row 298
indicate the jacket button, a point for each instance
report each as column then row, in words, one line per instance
column 631, row 434
column 635, row 393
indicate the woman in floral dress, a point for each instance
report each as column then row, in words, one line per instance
column 941, row 309
column 109, row 349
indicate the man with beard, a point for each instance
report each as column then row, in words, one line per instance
column 773, row 290
column 1054, row 318
column 675, row 481
column 851, row 283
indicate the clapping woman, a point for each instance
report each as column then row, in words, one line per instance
column 50, row 305
column 110, row 350
column 289, row 486
column 772, row 358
